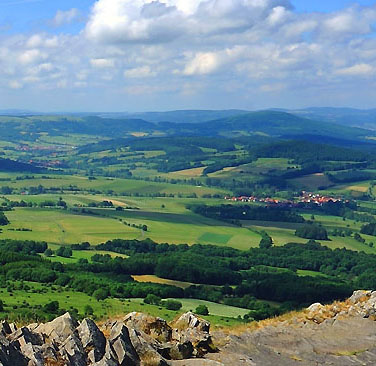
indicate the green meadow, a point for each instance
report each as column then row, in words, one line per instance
column 220, row 315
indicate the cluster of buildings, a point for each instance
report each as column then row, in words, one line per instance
column 305, row 197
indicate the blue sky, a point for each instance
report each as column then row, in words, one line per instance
column 327, row 5
column 118, row 55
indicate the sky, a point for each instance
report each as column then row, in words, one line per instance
column 143, row 55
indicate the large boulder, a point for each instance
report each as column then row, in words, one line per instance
column 121, row 346
column 93, row 340
column 191, row 329
column 10, row 355
column 147, row 348
column 73, row 352
column 59, row 329
column 5, row 328
column 157, row 328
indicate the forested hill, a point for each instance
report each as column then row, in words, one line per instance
column 276, row 123
column 234, row 124
column 7, row 165
column 187, row 116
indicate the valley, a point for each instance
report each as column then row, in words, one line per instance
column 183, row 211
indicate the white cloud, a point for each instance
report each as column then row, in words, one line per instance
column 357, row 70
column 171, row 49
column 139, row 72
column 65, row 17
column 31, row 56
column 102, row 63
column 203, row 63
column 14, row 84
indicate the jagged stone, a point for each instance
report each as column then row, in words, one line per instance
column 155, row 327
column 147, row 349
column 13, row 327
column 93, row 340
column 49, row 352
column 181, row 351
column 121, row 345
column 106, row 362
column 73, row 351
column 5, row 328
column 359, row 295
column 33, row 353
column 190, row 320
column 10, row 355
column 59, row 329
column 24, row 336
column 191, row 329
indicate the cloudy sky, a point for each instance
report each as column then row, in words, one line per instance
column 137, row 55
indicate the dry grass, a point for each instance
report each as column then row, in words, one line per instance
column 297, row 318
column 50, row 362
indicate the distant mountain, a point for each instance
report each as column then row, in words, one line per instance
column 16, row 112
column 364, row 118
column 277, row 124
column 186, row 116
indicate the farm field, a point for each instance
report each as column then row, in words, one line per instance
column 188, row 228
column 163, row 281
column 118, row 186
column 60, row 227
column 172, row 224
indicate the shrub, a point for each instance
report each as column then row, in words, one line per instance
column 202, row 310
column 172, row 305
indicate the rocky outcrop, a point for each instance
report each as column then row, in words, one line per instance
column 137, row 340
column 339, row 334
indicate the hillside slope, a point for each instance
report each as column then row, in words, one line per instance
column 339, row 334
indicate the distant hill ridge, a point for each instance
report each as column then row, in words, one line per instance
column 7, row 165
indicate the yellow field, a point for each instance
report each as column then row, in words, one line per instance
column 163, row 281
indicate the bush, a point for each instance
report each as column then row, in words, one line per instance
column 202, row 310
column 48, row 252
column 51, row 307
column 152, row 299
column 312, row 232
column 172, row 305
column 64, row 252
column 88, row 310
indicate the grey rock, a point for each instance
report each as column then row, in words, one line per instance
column 5, row 328
column 24, row 336
column 73, row 351
column 147, row 348
column 191, row 329
column 10, row 355
column 59, row 329
column 33, row 353
column 358, row 295
column 157, row 328
column 121, row 345
column 93, row 340
column 190, row 320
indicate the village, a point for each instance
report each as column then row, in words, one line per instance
column 305, row 197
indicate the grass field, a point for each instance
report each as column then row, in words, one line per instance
column 118, row 186
column 312, row 182
column 220, row 315
column 60, row 227
column 168, row 220
column 188, row 228
column 283, row 233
